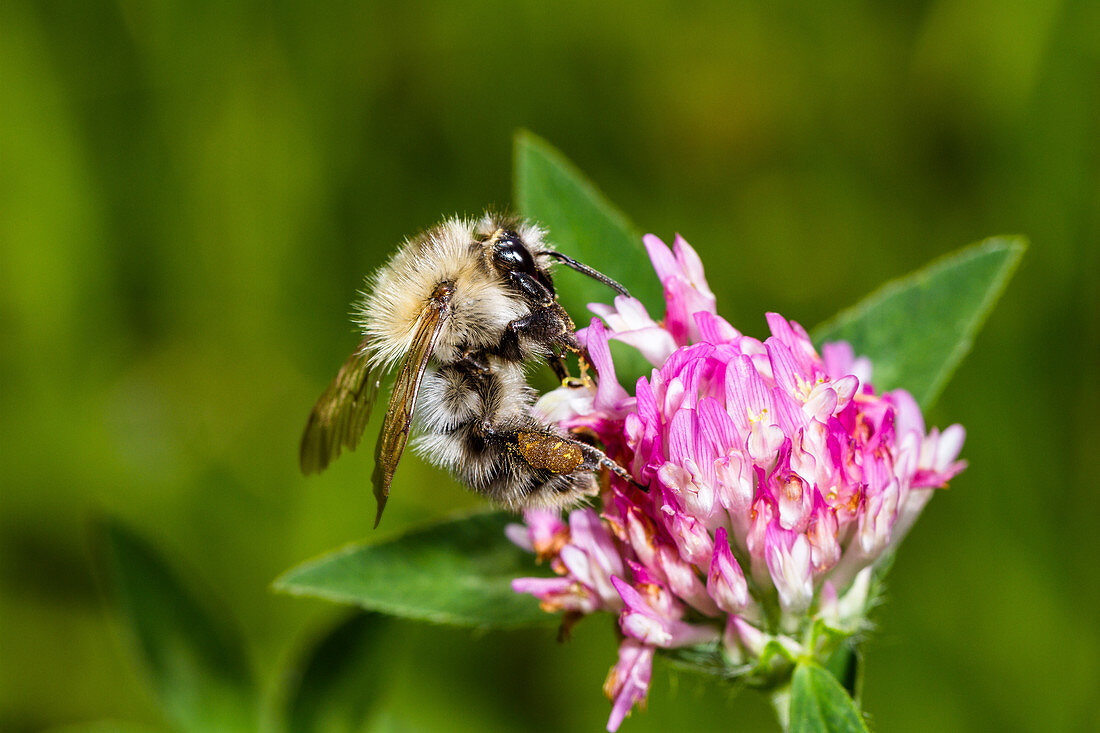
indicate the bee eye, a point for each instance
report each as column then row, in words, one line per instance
column 511, row 254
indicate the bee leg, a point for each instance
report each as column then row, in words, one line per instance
column 602, row 461
column 474, row 361
column 545, row 327
column 508, row 348
column 557, row 364
column 561, row 455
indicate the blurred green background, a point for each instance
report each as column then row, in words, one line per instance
column 191, row 193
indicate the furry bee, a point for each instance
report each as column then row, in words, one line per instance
column 463, row 307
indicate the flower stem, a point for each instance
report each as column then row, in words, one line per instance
column 781, row 703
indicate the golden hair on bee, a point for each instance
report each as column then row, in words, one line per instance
column 454, row 251
column 463, row 307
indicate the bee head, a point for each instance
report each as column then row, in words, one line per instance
column 513, row 259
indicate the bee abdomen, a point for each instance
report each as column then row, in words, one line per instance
column 480, row 429
column 448, row 398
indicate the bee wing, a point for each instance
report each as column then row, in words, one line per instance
column 341, row 413
column 406, row 385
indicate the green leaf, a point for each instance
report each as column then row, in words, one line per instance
column 704, row 659
column 341, row 679
column 455, row 572
column 917, row 329
column 583, row 224
column 196, row 662
column 819, row 704
column 846, row 664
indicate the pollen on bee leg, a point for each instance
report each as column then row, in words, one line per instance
column 549, row 452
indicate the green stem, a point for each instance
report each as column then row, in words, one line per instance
column 781, row 703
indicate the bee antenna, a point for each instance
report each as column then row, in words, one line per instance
column 586, row 270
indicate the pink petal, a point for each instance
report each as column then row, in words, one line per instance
column 661, row 257
column 715, row 329
column 609, row 393
column 628, row 681
column 788, row 376
column 788, row 557
column 747, row 396
column 950, row 444
column 796, row 339
column 691, row 267
column 725, row 581
column 520, row 536
column 654, row 344
column 716, row 426
column 838, row 358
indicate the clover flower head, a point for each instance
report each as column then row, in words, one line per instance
column 777, row 478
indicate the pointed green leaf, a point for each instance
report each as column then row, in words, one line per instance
column 584, row 225
column 820, row 705
column 455, row 572
column 196, row 661
column 340, row 680
column 917, row 329
column 705, row 659
column 846, row 664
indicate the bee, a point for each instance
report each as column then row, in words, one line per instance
column 462, row 308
